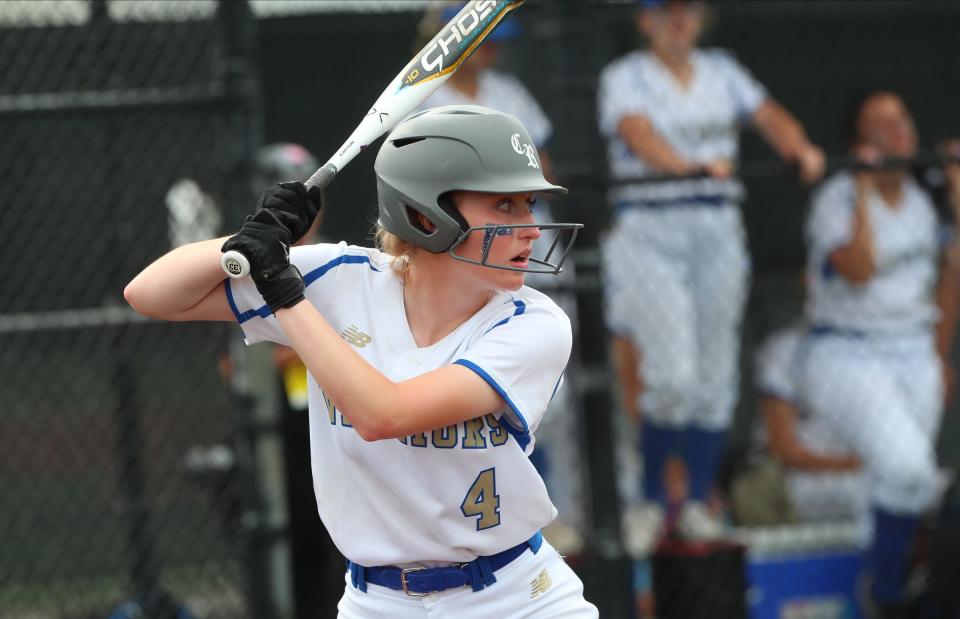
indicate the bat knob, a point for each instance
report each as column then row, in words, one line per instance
column 235, row 264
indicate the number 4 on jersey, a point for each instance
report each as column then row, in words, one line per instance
column 482, row 500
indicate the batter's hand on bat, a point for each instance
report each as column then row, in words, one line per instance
column 871, row 156
column 265, row 242
column 295, row 206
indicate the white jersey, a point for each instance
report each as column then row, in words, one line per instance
column 438, row 497
column 779, row 373
column 778, row 364
column 501, row 92
column 899, row 296
column 700, row 122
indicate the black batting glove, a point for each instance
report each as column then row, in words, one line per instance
column 294, row 205
column 265, row 241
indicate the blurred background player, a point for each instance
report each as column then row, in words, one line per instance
column 675, row 260
column 478, row 82
column 874, row 370
column 822, row 478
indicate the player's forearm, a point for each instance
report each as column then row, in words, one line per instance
column 948, row 301
column 780, row 419
column 802, row 460
column 176, row 281
column 856, row 260
column 377, row 407
column 358, row 390
column 781, row 130
column 795, row 456
column 647, row 144
column 626, row 363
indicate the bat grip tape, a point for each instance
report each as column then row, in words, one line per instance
column 322, row 177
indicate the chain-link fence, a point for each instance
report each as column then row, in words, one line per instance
column 118, row 488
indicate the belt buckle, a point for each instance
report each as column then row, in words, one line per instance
column 403, row 581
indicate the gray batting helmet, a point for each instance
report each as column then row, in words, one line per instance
column 449, row 148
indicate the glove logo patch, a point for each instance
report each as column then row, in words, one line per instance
column 525, row 149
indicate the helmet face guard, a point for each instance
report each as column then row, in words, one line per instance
column 544, row 265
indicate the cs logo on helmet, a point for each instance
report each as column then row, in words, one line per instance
column 525, row 149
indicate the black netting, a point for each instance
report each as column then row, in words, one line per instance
column 118, row 482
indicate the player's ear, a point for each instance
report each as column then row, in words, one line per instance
column 425, row 224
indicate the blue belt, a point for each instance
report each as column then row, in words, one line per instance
column 825, row 330
column 419, row 581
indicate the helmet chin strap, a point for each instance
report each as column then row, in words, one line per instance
column 448, row 206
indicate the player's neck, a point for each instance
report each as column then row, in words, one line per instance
column 890, row 187
column 436, row 303
column 678, row 63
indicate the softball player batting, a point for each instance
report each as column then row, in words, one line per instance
column 873, row 371
column 675, row 260
column 430, row 367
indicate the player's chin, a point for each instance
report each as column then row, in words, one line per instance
column 511, row 280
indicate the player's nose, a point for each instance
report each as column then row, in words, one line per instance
column 531, row 233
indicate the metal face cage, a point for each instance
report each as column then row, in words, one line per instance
column 491, row 231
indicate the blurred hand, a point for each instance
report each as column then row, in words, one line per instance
column 870, row 155
column 811, row 163
column 951, row 172
column 719, row 168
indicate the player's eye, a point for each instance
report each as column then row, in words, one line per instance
column 509, row 205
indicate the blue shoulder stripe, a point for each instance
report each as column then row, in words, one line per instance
column 521, row 435
column 520, row 308
column 308, row 278
column 320, row 271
